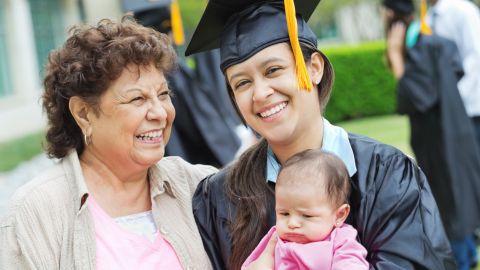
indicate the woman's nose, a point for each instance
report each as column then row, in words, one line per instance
column 156, row 111
column 261, row 91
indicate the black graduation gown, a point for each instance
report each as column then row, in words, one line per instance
column 391, row 207
column 442, row 136
column 203, row 130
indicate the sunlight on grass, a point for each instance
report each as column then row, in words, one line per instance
column 389, row 129
column 18, row 150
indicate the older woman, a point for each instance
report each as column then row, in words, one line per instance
column 111, row 202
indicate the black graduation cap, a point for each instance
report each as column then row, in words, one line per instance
column 241, row 28
column 162, row 15
column 403, row 7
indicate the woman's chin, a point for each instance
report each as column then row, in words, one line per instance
column 150, row 158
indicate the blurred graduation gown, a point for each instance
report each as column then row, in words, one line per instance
column 442, row 136
column 205, row 122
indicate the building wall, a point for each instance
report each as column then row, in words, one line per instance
column 29, row 30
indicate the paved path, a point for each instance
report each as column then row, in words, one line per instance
column 24, row 172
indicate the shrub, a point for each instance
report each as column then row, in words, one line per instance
column 363, row 84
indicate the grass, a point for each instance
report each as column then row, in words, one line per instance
column 18, row 150
column 389, row 129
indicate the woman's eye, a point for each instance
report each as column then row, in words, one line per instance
column 307, row 216
column 164, row 94
column 241, row 84
column 272, row 70
column 136, row 99
column 285, row 214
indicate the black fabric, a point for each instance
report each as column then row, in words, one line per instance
column 402, row 7
column 392, row 208
column 158, row 18
column 476, row 124
column 203, row 131
column 242, row 28
column 442, row 136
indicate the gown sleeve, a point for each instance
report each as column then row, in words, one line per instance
column 398, row 220
column 211, row 220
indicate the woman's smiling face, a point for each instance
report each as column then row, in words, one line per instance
column 265, row 91
column 135, row 117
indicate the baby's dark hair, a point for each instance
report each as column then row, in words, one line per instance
column 314, row 168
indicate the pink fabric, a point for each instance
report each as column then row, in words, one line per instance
column 117, row 248
column 340, row 251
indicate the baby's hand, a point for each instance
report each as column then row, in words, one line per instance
column 266, row 260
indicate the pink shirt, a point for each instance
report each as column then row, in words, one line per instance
column 339, row 251
column 118, row 248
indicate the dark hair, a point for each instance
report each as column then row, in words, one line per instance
column 89, row 61
column 246, row 186
column 324, row 87
column 406, row 19
column 317, row 168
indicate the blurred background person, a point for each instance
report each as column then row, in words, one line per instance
column 428, row 68
column 459, row 21
column 113, row 201
column 207, row 129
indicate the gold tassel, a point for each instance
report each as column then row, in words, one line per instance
column 424, row 28
column 177, row 26
column 303, row 79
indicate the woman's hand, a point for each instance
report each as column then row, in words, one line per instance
column 395, row 47
column 266, row 260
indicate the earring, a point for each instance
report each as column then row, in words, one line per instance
column 317, row 82
column 337, row 224
column 86, row 139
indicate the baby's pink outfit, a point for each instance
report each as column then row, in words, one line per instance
column 339, row 251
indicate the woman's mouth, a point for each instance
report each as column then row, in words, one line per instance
column 151, row 137
column 273, row 111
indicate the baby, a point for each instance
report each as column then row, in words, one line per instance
column 311, row 193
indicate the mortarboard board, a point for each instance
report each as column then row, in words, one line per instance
column 242, row 28
column 403, row 7
column 141, row 5
column 406, row 7
column 162, row 15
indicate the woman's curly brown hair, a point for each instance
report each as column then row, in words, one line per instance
column 89, row 61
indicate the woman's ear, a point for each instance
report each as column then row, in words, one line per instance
column 341, row 214
column 80, row 111
column 316, row 68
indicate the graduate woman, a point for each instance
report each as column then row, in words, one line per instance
column 280, row 84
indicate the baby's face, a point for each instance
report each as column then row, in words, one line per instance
column 303, row 215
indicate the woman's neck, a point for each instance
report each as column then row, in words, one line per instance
column 312, row 138
column 118, row 194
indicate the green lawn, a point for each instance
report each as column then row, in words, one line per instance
column 18, row 150
column 389, row 129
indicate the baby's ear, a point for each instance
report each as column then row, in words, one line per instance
column 342, row 214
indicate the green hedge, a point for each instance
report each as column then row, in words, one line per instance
column 20, row 149
column 363, row 84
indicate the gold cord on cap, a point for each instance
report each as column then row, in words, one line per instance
column 303, row 78
column 177, row 26
column 424, row 28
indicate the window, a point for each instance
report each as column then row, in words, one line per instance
column 47, row 26
column 5, row 86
